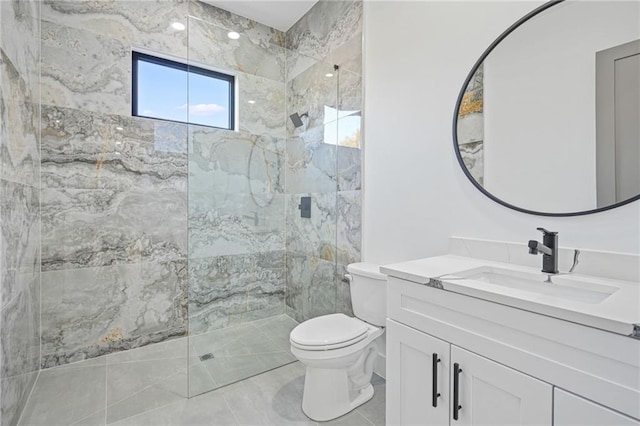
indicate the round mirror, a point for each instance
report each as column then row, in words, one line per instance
column 547, row 121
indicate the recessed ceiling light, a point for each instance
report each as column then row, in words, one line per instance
column 233, row 35
column 252, row 102
column 328, row 74
column 119, row 128
column 178, row 26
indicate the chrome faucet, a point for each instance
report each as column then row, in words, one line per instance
column 549, row 250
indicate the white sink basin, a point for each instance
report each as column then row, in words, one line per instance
column 560, row 286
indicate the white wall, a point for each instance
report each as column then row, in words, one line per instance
column 552, row 55
column 417, row 55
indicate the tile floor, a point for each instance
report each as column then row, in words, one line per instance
column 238, row 352
column 148, row 386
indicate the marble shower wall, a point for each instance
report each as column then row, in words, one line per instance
column 323, row 158
column 114, row 187
column 236, row 178
column 19, row 204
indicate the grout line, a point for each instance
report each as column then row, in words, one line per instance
column 26, row 404
column 144, row 389
column 106, row 388
column 224, row 398
column 85, row 418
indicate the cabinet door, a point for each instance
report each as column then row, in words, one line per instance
column 411, row 376
column 492, row 394
column 572, row 410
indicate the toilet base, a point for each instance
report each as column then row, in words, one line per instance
column 332, row 392
column 322, row 408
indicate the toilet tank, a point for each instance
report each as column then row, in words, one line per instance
column 368, row 293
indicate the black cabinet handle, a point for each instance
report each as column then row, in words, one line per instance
column 456, row 385
column 434, row 385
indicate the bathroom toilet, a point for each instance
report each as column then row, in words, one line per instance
column 339, row 351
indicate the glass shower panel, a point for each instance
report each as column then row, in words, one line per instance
column 311, row 172
column 236, row 273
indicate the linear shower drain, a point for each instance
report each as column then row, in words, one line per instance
column 206, row 357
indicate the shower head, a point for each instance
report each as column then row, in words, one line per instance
column 297, row 118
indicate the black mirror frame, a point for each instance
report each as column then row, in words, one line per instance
column 475, row 67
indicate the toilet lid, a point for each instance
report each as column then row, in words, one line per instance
column 328, row 330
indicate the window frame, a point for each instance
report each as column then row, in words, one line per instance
column 137, row 56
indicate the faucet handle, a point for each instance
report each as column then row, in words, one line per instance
column 545, row 232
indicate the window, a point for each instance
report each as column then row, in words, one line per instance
column 174, row 91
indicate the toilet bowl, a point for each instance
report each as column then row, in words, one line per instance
column 339, row 352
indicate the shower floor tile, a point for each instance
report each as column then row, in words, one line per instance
column 149, row 385
column 271, row 398
column 230, row 354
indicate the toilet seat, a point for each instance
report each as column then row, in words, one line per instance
column 328, row 332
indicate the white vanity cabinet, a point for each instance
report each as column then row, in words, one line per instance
column 468, row 389
column 571, row 410
column 514, row 364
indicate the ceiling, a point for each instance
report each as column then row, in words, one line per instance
column 280, row 14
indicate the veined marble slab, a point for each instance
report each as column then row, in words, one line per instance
column 20, row 41
column 19, row 238
column 15, row 391
column 315, row 236
column 114, row 190
column 20, row 339
column 349, row 168
column 311, row 286
column 19, row 127
column 235, row 225
column 225, row 290
column 313, row 92
column 349, row 235
column 311, row 163
column 209, row 44
column 327, row 26
column 265, row 115
column 258, row 33
column 136, row 23
column 95, row 311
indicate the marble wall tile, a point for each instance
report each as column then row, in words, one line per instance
column 349, row 54
column 14, row 391
column 19, row 238
column 20, row 41
column 315, row 236
column 94, row 311
column 20, row 332
column 349, row 168
column 209, row 44
column 225, row 290
column 350, row 95
column 349, row 230
column 314, row 93
column 19, row 127
column 265, row 117
column 144, row 24
column 327, row 26
column 236, row 204
column 258, row 33
column 343, row 292
column 297, row 63
column 311, row 286
column 109, row 194
column 85, row 150
column 74, row 76
column 237, row 225
column 311, row 163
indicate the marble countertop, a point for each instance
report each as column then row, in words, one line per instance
column 617, row 313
